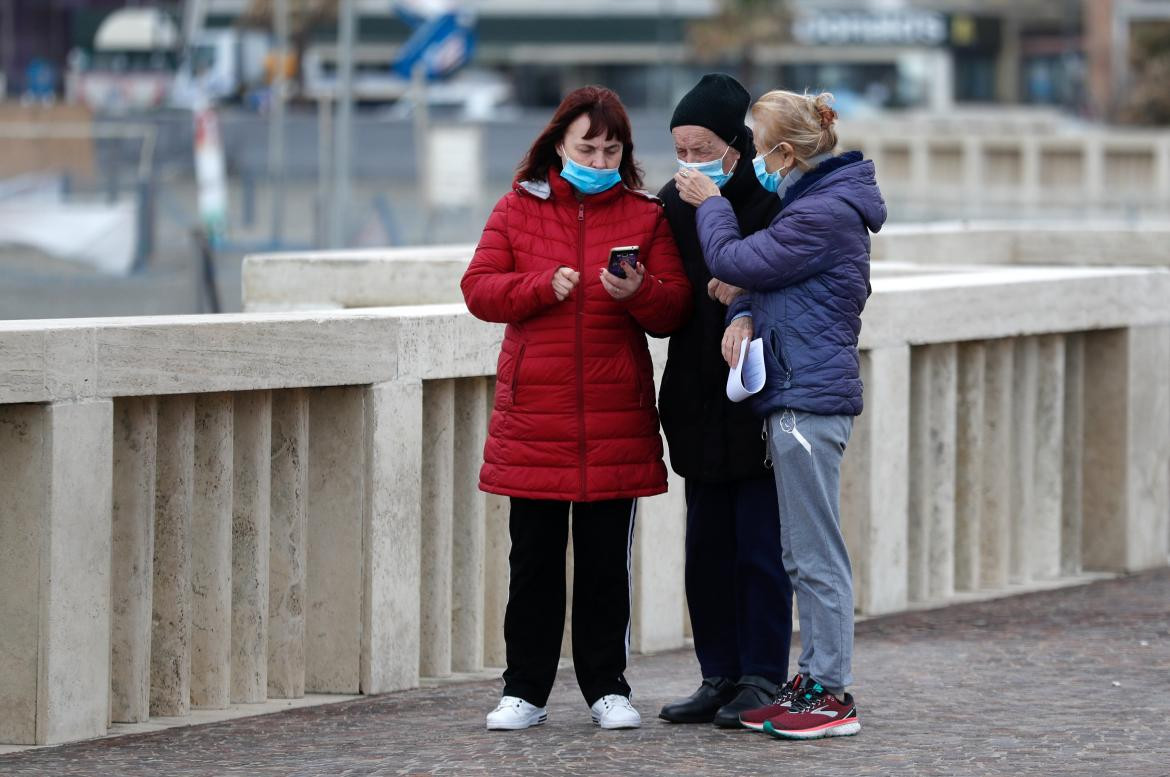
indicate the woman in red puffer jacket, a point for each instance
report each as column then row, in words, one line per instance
column 574, row 423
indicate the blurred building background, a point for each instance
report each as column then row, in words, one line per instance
column 147, row 146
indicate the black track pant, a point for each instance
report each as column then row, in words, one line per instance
column 603, row 534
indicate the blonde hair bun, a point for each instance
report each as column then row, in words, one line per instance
column 805, row 121
column 823, row 105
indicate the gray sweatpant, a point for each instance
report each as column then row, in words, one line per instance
column 806, row 451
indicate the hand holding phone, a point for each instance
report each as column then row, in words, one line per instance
column 627, row 255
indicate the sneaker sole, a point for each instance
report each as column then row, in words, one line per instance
column 615, row 727
column 517, row 726
column 845, row 728
column 752, row 726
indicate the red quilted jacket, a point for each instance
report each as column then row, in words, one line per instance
column 574, row 415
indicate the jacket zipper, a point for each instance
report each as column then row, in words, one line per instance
column 581, row 344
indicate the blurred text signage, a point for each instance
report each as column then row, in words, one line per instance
column 870, row 28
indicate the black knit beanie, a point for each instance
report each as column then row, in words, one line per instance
column 719, row 103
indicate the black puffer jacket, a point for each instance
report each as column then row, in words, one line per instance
column 711, row 439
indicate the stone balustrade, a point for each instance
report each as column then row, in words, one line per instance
column 204, row 510
column 1035, row 169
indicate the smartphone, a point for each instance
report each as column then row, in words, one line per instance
column 618, row 256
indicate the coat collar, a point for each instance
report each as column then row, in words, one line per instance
column 817, row 173
column 557, row 188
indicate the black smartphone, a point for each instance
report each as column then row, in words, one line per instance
column 620, row 255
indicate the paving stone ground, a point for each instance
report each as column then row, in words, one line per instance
column 1068, row 682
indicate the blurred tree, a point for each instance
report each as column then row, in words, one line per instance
column 737, row 29
column 1148, row 101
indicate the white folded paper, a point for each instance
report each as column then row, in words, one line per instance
column 747, row 377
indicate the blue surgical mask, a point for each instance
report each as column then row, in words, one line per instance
column 770, row 181
column 712, row 169
column 589, row 180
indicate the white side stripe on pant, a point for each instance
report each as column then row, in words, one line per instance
column 630, row 573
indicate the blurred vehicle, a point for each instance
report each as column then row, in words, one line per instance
column 136, row 52
column 221, row 64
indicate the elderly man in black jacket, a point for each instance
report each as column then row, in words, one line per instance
column 739, row 596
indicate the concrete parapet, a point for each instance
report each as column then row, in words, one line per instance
column 300, row 512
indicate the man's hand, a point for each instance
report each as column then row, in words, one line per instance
column 722, row 292
column 737, row 331
column 564, row 281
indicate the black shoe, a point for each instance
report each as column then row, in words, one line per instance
column 700, row 706
column 752, row 692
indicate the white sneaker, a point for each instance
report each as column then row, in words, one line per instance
column 614, row 711
column 513, row 714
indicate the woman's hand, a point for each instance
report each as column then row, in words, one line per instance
column 722, row 292
column 623, row 288
column 564, row 281
column 694, row 187
column 737, row 331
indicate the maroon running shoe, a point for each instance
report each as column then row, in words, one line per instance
column 815, row 713
column 755, row 719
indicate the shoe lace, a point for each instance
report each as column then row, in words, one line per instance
column 811, row 698
column 509, row 701
column 789, row 690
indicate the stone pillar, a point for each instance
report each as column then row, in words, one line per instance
column 1162, row 171
column 497, row 545
column 969, row 464
column 920, row 167
column 570, row 570
column 1094, row 171
column 252, row 479
column 438, row 454
column 995, row 512
column 211, row 553
column 1072, row 491
column 1127, row 446
column 135, row 434
column 56, row 469
column 337, row 477
column 973, row 162
column 496, row 576
column 468, row 542
column 932, row 472
column 1030, row 170
column 874, row 498
column 391, row 600
column 1044, row 543
column 170, row 644
column 660, row 558
column 1025, row 376
column 287, row 549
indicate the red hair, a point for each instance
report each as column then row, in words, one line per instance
column 606, row 114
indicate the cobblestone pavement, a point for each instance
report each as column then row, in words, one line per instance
column 1075, row 681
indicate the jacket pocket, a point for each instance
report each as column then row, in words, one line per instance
column 514, row 382
column 639, row 381
column 775, row 360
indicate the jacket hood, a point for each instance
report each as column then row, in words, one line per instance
column 850, row 177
